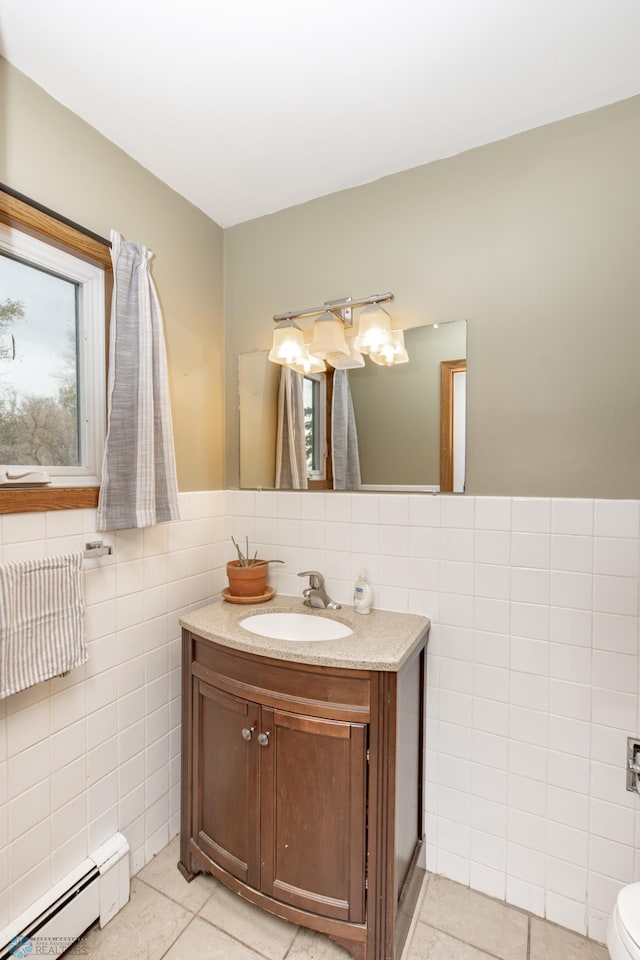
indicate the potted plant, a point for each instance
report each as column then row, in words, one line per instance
column 248, row 575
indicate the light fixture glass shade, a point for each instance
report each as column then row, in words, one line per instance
column 288, row 344
column 308, row 364
column 355, row 359
column 393, row 352
column 328, row 339
column 374, row 328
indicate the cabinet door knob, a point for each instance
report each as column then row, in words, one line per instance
column 263, row 738
column 247, row 733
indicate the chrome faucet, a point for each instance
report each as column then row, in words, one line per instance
column 315, row 594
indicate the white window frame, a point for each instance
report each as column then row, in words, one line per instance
column 320, row 392
column 91, row 352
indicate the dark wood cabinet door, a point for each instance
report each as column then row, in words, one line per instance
column 313, row 813
column 225, row 780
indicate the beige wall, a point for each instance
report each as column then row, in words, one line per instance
column 536, row 241
column 50, row 155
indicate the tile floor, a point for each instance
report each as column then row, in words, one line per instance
column 171, row 919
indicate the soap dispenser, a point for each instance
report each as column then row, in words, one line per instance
column 362, row 594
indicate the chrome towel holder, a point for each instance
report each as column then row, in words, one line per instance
column 97, row 548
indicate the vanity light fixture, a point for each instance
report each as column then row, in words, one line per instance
column 308, row 363
column 288, row 344
column 329, row 341
column 350, row 362
column 392, row 352
column 374, row 329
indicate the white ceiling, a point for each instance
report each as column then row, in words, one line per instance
column 249, row 106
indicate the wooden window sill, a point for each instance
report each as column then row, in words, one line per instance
column 57, row 498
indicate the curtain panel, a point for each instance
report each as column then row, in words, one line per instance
column 139, row 485
column 291, row 457
column 344, row 436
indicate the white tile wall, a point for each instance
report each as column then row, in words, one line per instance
column 99, row 750
column 533, row 673
column 533, row 682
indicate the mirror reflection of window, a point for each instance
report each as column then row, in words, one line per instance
column 314, row 399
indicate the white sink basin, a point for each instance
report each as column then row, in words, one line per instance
column 295, row 626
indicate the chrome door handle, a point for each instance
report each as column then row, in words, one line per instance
column 263, row 738
column 247, row 733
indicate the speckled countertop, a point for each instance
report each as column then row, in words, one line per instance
column 381, row 640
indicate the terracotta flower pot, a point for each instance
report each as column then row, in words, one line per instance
column 248, row 581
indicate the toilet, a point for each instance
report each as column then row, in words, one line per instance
column 623, row 934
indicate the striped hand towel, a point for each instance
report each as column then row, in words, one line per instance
column 41, row 620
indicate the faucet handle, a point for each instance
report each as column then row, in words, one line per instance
column 316, row 580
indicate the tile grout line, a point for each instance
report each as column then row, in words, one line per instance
column 171, row 900
column 184, row 929
column 167, row 897
column 248, row 946
column 466, row 943
column 204, row 920
column 510, row 909
column 178, row 904
column 236, row 939
column 242, row 943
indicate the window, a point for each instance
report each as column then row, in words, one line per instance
column 317, row 427
column 55, row 283
column 314, row 425
column 52, row 389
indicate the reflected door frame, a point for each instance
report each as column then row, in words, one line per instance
column 448, row 371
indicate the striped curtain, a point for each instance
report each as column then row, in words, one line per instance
column 344, row 436
column 139, row 486
column 291, row 457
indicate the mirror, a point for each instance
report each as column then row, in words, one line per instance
column 406, row 416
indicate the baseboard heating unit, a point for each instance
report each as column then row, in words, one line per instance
column 95, row 890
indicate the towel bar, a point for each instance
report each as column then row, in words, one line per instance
column 97, row 548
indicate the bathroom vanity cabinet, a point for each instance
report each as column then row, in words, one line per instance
column 302, row 786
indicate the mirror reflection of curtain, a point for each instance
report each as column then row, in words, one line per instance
column 291, row 457
column 344, row 436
